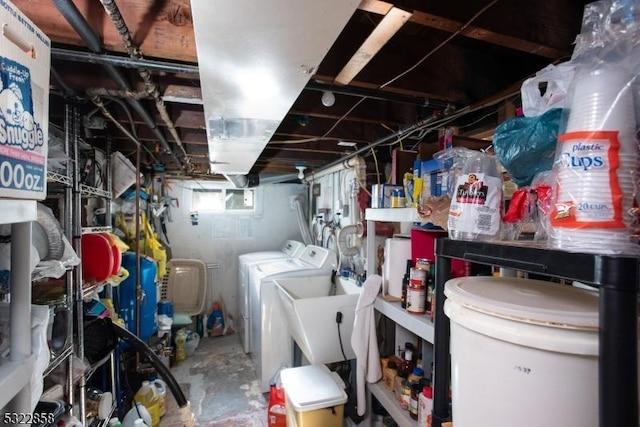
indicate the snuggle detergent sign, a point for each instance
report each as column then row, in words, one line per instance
column 24, row 97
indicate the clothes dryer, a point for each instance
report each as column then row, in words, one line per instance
column 272, row 346
column 290, row 248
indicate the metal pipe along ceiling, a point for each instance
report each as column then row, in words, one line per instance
column 123, row 61
column 116, row 17
column 70, row 12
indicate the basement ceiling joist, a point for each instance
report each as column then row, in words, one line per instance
column 489, row 49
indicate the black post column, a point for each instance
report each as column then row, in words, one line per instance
column 441, row 358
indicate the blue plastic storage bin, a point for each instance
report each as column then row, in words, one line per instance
column 125, row 295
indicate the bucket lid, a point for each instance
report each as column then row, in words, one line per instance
column 311, row 387
column 526, row 300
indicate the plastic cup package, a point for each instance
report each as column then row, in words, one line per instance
column 596, row 167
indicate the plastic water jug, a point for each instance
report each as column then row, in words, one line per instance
column 161, row 388
column 135, row 413
column 148, row 396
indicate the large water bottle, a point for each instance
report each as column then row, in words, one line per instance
column 147, row 394
column 476, row 204
column 161, row 388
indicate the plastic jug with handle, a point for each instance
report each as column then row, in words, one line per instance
column 148, row 396
column 161, row 388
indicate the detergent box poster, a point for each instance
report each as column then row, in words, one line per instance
column 25, row 62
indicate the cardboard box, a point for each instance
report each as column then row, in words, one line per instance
column 25, row 63
column 381, row 194
column 401, row 163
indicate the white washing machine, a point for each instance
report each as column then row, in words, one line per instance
column 271, row 343
column 290, row 249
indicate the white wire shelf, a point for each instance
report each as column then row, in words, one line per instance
column 96, row 230
column 87, row 291
column 86, row 190
column 59, row 359
column 56, row 177
column 97, row 365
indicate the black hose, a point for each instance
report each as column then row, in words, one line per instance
column 164, row 372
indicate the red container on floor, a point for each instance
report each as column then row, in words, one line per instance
column 277, row 413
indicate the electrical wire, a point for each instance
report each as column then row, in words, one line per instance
column 341, row 346
column 375, row 159
column 443, row 43
column 413, row 67
column 126, row 111
column 344, row 116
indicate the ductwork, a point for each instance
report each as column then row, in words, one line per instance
column 255, row 58
column 243, row 181
column 71, row 13
column 253, row 180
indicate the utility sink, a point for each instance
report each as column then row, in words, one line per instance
column 311, row 314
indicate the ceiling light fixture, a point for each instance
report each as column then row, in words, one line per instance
column 301, row 169
column 328, row 98
column 347, row 144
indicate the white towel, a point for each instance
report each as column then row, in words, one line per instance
column 364, row 340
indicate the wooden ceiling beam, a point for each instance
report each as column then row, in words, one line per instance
column 471, row 31
column 162, row 29
column 393, row 20
column 389, row 89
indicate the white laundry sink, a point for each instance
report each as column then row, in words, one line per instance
column 311, row 314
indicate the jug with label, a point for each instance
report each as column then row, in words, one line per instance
column 476, row 205
column 148, row 396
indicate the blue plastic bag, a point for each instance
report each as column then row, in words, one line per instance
column 526, row 145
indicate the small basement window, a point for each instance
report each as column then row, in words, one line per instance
column 205, row 199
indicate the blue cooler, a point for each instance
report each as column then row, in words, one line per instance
column 125, row 295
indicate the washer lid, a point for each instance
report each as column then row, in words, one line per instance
column 525, row 300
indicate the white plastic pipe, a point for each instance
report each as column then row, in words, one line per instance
column 353, row 162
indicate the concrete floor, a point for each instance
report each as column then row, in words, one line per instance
column 220, row 382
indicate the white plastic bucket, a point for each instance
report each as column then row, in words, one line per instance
column 523, row 352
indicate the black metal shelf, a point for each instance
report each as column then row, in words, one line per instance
column 617, row 278
column 619, row 271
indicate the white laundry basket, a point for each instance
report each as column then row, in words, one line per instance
column 523, row 353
